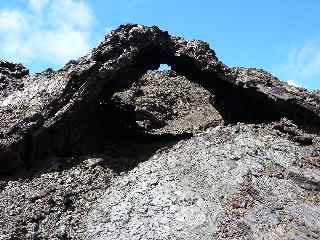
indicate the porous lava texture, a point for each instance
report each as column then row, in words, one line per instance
column 109, row 148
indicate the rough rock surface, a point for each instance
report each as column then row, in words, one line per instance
column 244, row 182
column 230, row 182
column 97, row 150
column 51, row 205
column 166, row 103
column 58, row 99
column 53, row 200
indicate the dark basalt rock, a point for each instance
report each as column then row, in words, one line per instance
column 51, row 112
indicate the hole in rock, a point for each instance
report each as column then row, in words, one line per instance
column 164, row 67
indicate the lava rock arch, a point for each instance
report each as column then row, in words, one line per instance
column 48, row 113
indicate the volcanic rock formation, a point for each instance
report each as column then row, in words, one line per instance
column 106, row 149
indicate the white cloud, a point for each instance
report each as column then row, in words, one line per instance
column 74, row 13
column 303, row 63
column 293, row 83
column 53, row 31
column 11, row 20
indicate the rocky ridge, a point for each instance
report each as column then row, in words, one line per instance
column 105, row 149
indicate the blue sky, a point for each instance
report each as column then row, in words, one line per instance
column 282, row 37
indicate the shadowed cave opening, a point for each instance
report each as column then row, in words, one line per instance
column 100, row 127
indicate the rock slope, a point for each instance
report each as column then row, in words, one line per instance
column 105, row 149
column 244, row 182
column 229, row 182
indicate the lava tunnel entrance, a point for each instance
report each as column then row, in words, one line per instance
column 130, row 124
column 84, row 116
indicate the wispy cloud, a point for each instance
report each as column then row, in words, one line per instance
column 293, row 83
column 303, row 65
column 53, row 31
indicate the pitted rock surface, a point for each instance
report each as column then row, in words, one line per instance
column 304, row 105
column 52, row 204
